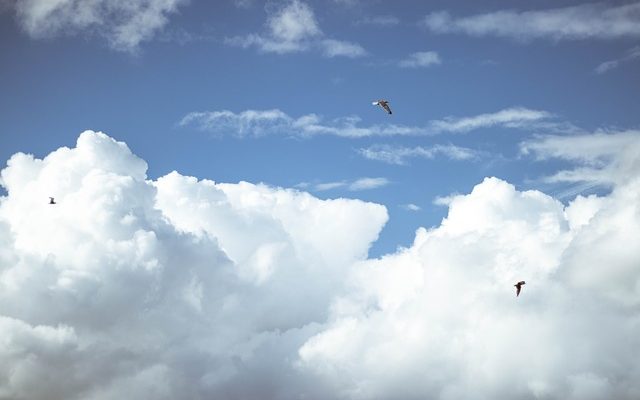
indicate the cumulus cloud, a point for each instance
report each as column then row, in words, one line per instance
column 420, row 59
column 123, row 24
column 442, row 314
column 186, row 288
column 399, row 155
column 267, row 122
column 583, row 21
column 632, row 54
column 292, row 28
column 164, row 289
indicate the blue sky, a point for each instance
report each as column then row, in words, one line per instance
column 60, row 78
column 230, row 203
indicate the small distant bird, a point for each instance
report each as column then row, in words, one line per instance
column 52, row 201
column 384, row 104
column 518, row 287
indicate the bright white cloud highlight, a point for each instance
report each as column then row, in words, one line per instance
column 399, row 155
column 267, row 122
column 584, row 21
column 420, row 60
column 293, row 27
column 167, row 289
column 187, row 288
column 124, row 24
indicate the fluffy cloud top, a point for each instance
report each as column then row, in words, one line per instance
column 583, row 21
column 266, row 122
column 125, row 24
column 293, row 28
column 187, row 288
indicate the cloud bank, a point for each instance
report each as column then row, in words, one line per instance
column 124, row 24
column 583, row 21
column 187, row 288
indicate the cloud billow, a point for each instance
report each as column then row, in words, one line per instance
column 186, row 288
column 125, row 25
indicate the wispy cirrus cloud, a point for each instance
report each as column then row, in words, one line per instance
column 294, row 28
column 602, row 157
column 411, row 207
column 399, row 155
column 421, row 59
column 379, row 21
column 353, row 186
column 255, row 123
column 123, row 24
column 584, row 21
column 632, row 54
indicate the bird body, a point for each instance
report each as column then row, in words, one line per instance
column 384, row 104
column 52, row 200
column 518, row 287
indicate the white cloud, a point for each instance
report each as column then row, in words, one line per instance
column 442, row 314
column 601, row 157
column 294, row 28
column 411, row 207
column 335, row 48
column 368, row 183
column 354, row 186
column 123, row 24
column 584, row 21
column 187, row 288
column 266, row 122
column 174, row 288
column 379, row 20
column 399, row 155
column 420, row 59
column 606, row 66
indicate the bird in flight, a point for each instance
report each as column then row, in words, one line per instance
column 52, row 201
column 384, row 104
column 518, row 287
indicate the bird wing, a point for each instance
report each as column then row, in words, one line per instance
column 517, row 290
column 386, row 107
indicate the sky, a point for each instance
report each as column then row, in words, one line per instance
column 236, row 219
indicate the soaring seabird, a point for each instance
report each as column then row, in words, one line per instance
column 384, row 104
column 518, row 287
column 52, row 201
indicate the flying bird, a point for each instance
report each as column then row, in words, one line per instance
column 518, row 287
column 52, row 201
column 384, row 104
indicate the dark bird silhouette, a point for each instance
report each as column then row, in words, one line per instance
column 384, row 104
column 52, row 201
column 518, row 287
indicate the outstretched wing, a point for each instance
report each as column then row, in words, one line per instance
column 386, row 107
column 518, row 287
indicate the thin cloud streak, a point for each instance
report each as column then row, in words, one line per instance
column 607, row 66
column 353, row 186
column 399, row 155
column 585, row 21
column 256, row 123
